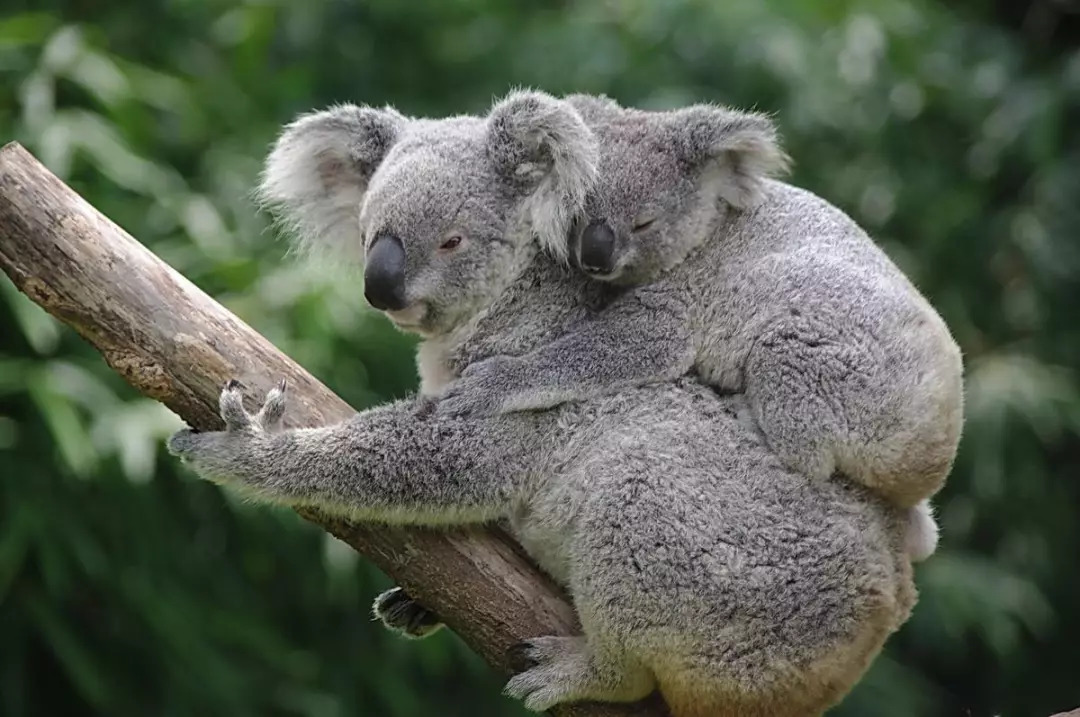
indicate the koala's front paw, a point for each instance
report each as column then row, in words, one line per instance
column 482, row 390
column 405, row 616
column 227, row 455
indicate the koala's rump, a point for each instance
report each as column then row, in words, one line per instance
column 696, row 554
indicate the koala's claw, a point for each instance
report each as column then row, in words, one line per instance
column 400, row 613
column 425, row 407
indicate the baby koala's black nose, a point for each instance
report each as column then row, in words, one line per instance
column 384, row 274
column 596, row 253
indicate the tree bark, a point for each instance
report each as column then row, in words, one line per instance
column 175, row 344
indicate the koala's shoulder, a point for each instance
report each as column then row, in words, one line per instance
column 788, row 208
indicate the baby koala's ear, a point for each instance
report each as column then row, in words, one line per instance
column 316, row 175
column 734, row 150
column 542, row 148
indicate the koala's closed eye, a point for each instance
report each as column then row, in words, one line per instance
column 452, row 242
column 645, row 220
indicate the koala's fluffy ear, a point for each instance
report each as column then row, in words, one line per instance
column 734, row 150
column 316, row 175
column 541, row 146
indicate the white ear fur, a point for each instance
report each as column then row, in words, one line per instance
column 318, row 170
column 742, row 149
column 542, row 144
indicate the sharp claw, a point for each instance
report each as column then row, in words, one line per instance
column 417, row 620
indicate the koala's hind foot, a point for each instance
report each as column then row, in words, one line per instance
column 564, row 669
column 400, row 613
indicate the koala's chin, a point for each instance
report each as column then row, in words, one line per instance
column 432, row 319
column 629, row 269
column 412, row 319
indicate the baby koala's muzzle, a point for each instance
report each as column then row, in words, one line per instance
column 596, row 252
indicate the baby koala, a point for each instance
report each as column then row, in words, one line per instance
column 759, row 288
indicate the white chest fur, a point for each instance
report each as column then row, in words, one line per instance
column 433, row 365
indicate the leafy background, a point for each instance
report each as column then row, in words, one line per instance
column 127, row 587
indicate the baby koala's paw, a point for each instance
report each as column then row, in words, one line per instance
column 482, row 390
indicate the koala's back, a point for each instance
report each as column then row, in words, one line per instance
column 796, row 255
column 688, row 547
column 794, row 223
column 794, row 293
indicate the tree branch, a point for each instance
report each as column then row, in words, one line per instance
column 175, row 344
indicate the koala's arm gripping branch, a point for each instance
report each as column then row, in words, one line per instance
column 175, row 344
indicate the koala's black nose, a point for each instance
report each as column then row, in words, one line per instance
column 384, row 274
column 596, row 253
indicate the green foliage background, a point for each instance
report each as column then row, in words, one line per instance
column 128, row 587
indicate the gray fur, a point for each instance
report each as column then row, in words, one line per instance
column 779, row 295
column 697, row 562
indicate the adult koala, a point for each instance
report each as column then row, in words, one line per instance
column 697, row 563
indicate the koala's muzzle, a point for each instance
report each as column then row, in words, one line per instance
column 384, row 274
column 596, row 251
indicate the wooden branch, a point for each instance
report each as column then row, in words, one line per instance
column 175, row 344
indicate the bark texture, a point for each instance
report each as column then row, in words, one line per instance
column 177, row 345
